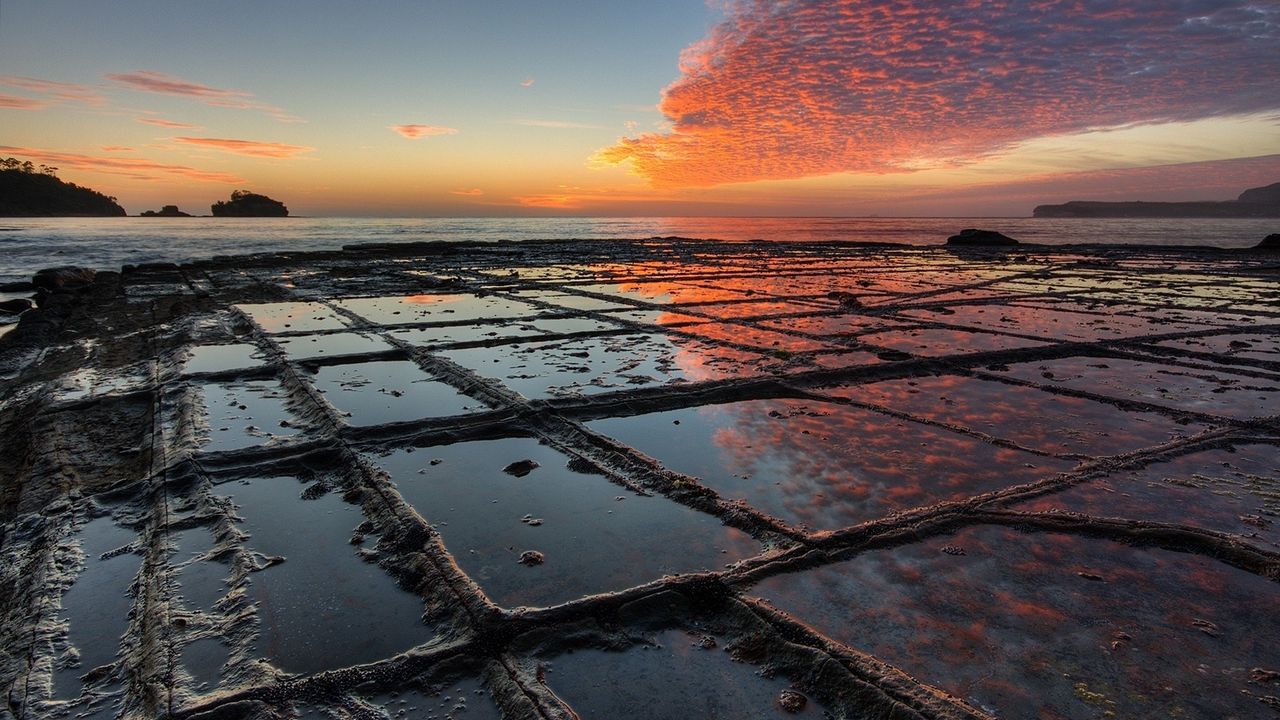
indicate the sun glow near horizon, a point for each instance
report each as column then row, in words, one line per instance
column 841, row 108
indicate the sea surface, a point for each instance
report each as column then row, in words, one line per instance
column 29, row 244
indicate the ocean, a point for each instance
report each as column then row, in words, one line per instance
column 29, row 244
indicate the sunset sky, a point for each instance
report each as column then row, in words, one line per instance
column 842, row 107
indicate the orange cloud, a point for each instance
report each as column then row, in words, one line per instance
column 558, row 202
column 54, row 90
column 168, row 123
column 471, row 192
column 527, row 82
column 251, row 148
column 413, row 132
column 134, row 168
column 117, row 148
column 14, row 102
column 802, row 89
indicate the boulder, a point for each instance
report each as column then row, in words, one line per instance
column 1270, row 242
column 63, row 278
column 15, row 307
column 972, row 237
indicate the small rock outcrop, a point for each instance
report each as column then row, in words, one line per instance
column 166, row 211
column 973, row 237
column 1270, row 242
column 246, row 204
column 17, row 306
column 63, row 278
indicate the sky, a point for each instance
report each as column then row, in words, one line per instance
column 724, row 107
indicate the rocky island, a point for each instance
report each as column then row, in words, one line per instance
column 28, row 191
column 166, row 211
column 246, row 204
column 1260, row 202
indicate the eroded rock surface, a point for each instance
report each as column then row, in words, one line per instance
column 551, row 479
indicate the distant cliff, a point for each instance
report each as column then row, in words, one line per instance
column 246, row 204
column 26, row 192
column 1263, row 202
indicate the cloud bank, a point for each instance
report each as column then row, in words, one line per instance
column 790, row 89
column 14, row 102
column 52, row 90
column 134, row 168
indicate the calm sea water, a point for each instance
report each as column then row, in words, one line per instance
column 28, row 244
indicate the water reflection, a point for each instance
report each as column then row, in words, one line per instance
column 1196, row 390
column 595, row 536
column 97, row 605
column 1048, row 625
column 293, row 316
column 321, row 607
column 1234, row 490
column 1030, row 417
column 458, row 307
column 675, row 674
column 822, row 465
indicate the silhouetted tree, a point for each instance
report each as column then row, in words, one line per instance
column 27, row 193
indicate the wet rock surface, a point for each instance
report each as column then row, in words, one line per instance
column 744, row 480
column 975, row 237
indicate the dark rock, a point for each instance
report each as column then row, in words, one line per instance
column 792, row 701
column 63, row 278
column 21, row 286
column 1270, row 242
column 166, row 211
column 15, row 307
column 846, row 299
column 532, row 557
column 973, row 237
column 520, row 468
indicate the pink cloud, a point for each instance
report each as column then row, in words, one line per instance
column 118, row 148
column 134, row 168
column 156, row 82
column 14, row 102
column 413, row 132
column 251, row 148
column 57, row 91
column 527, row 82
column 168, row 123
column 164, row 84
column 789, row 90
